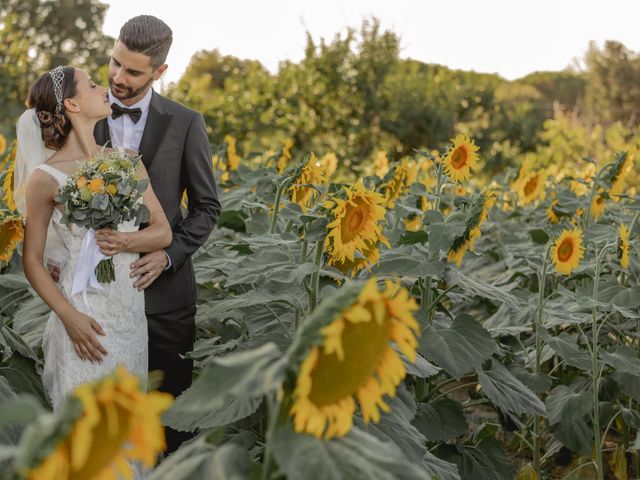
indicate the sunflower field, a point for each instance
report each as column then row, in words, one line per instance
column 419, row 321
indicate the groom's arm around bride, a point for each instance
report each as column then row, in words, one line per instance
column 175, row 149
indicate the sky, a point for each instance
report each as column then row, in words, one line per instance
column 511, row 38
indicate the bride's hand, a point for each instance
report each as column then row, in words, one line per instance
column 82, row 331
column 111, row 242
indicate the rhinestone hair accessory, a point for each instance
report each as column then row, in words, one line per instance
column 57, row 76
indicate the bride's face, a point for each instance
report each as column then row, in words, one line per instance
column 91, row 100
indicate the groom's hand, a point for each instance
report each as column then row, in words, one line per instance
column 147, row 268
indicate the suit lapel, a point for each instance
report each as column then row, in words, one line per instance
column 158, row 121
column 101, row 133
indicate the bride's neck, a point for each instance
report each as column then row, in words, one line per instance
column 81, row 142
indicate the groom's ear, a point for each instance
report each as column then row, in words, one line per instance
column 157, row 73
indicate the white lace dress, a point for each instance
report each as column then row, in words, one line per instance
column 118, row 308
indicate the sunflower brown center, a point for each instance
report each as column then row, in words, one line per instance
column 459, row 157
column 363, row 345
column 353, row 222
column 531, row 185
column 565, row 250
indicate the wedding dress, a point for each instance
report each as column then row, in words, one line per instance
column 117, row 307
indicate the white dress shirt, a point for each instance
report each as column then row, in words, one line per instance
column 124, row 132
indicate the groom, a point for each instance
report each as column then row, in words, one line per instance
column 175, row 150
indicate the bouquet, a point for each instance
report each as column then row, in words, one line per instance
column 105, row 191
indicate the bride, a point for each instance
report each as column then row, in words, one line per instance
column 87, row 335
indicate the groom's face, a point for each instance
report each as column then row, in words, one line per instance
column 131, row 74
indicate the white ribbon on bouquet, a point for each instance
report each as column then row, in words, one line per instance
column 89, row 258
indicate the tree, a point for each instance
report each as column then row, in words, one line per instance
column 613, row 86
column 36, row 35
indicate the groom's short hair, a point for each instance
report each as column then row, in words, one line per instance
column 148, row 35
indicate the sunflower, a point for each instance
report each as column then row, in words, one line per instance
column 567, row 251
column 424, row 170
column 621, row 169
column 363, row 259
column 413, row 222
column 582, row 188
column 3, row 144
column 311, row 174
column 9, row 199
column 381, row 163
column 118, row 423
column 461, row 244
column 11, row 234
column 598, row 205
column 461, row 158
column 328, row 163
column 233, row 160
column 404, row 175
column 478, row 213
column 552, row 215
column 531, row 187
column 623, row 246
column 355, row 226
column 344, row 368
column 285, row 155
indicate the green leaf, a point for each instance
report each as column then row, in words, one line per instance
column 200, row 460
column 475, row 286
column 459, row 348
column 421, row 368
column 628, row 298
column 565, row 346
column 442, row 420
column 270, row 265
column 240, row 376
column 440, row 469
column 357, row 456
column 563, row 404
column 17, row 344
column 484, row 461
column 507, row 392
column 629, row 384
column 22, row 376
column 13, row 281
column 623, row 359
column 396, row 426
column 407, row 261
column 99, row 201
column 539, row 236
column 576, row 435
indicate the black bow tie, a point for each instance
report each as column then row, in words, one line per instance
column 117, row 111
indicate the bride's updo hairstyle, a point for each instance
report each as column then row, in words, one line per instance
column 46, row 96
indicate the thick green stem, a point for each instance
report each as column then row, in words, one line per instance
column 303, row 250
column 427, row 294
column 276, row 207
column 315, row 278
column 595, row 369
column 542, row 275
column 274, row 407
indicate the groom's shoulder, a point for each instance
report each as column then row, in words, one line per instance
column 176, row 108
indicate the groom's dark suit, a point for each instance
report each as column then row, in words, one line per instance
column 175, row 150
